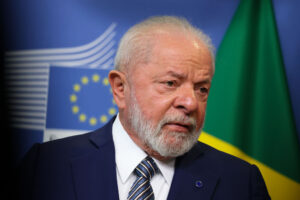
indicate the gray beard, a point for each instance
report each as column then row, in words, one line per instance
column 166, row 143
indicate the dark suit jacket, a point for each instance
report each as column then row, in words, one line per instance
column 83, row 168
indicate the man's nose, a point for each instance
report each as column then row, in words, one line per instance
column 186, row 100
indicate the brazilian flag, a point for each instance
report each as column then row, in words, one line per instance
column 249, row 112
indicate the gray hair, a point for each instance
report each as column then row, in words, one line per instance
column 136, row 43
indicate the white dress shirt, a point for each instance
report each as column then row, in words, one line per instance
column 128, row 156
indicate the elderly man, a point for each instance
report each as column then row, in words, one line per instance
column 164, row 68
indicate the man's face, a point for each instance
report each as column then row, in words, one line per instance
column 169, row 94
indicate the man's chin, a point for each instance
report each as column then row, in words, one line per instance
column 175, row 138
column 174, row 146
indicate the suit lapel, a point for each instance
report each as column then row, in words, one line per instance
column 194, row 178
column 95, row 173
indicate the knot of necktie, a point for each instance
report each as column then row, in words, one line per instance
column 147, row 168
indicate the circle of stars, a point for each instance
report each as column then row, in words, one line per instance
column 82, row 117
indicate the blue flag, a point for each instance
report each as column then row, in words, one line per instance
column 78, row 99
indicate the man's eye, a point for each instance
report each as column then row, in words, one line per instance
column 170, row 83
column 203, row 90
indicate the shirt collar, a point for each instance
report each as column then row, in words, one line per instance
column 166, row 168
column 129, row 155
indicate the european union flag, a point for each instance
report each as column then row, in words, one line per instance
column 79, row 99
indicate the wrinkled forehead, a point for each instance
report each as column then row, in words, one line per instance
column 165, row 42
column 177, row 45
column 159, row 38
column 176, row 54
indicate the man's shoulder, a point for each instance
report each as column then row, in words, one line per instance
column 68, row 143
column 204, row 159
column 228, row 176
column 79, row 143
column 216, row 157
column 73, row 146
column 58, row 150
column 55, row 163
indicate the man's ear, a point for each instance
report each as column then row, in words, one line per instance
column 117, row 82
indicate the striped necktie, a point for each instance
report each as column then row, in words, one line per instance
column 141, row 188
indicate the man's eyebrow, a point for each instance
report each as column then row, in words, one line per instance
column 176, row 75
column 205, row 81
column 182, row 76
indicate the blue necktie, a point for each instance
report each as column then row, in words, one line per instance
column 141, row 188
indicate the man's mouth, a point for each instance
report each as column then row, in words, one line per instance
column 179, row 127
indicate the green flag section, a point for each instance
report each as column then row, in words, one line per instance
column 249, row 112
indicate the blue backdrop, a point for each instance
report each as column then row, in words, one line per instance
column 58, row 54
